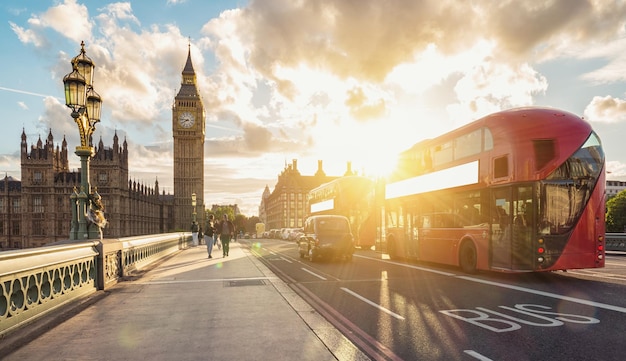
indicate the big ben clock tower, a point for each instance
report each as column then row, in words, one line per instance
column 188, row 127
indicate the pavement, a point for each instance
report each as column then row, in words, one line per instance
column 190, row 307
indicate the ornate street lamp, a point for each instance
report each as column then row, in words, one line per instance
column 193, row 204
column 86, row 107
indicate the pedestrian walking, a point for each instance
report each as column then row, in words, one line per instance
column 210, row 235
column 194, row 233
column 226, row 232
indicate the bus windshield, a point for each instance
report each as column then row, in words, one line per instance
column 567, row 189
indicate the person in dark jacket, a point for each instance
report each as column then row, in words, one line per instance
column 209, row 235
column 194, row 233
column 226, row 231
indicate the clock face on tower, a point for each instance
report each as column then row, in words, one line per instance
column 186, row 120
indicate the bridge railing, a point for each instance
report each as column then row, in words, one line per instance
column 35, row 282
column 615, row 241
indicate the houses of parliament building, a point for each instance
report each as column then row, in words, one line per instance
column 37, row 210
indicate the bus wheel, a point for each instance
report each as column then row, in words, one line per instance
column 467, row 257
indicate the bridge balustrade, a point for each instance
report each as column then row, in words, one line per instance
column 615, row 241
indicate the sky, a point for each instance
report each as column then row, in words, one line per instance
column 335, row 81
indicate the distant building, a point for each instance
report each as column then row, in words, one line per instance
column 263, row 205
column 288, row 206
column 37, row 211
column 613, row 187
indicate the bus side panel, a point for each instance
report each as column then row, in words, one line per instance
column 438, row 245
column 442, row 245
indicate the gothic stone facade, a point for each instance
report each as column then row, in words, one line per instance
column 36, row 210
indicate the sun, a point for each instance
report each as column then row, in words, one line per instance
column 372, row 146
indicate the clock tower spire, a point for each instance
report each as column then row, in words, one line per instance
column 188, row 129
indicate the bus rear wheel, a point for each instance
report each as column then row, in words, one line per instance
column 468, row 258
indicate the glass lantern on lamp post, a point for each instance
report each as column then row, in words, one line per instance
column 86, row 105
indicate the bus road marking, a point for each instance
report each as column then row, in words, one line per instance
column 531, row 315
column 372, row 303
column 476, row 355
column 314, row 274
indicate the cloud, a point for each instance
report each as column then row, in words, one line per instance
column 57, row 116
column 363, row 108
column 490, row 87
column 10, row 165
column 616, row 170
column 121, row 11
column 606, row 110
column 68, row 19
column 27, row 36
column 358, row 55
column 257, row 138
column 615, row 69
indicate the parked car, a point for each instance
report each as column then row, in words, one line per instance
column 295, row 233
column 326, row 236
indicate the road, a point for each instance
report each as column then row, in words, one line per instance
column 413, row 311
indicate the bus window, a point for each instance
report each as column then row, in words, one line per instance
column 467, row 144
column 443, row 153
column 468, row 209
column 501, row 167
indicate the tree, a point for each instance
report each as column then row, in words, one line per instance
column 220, row 211
column 251, row 224
column 240, row 223
column 616, row 213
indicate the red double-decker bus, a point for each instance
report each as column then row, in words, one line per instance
column 352, row 197
column 520, row 190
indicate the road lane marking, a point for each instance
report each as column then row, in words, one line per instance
column 476, row 355
column 409, row 266
column 547, row 294
column 597, row 274
column 314, row 274
column 372, row 303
